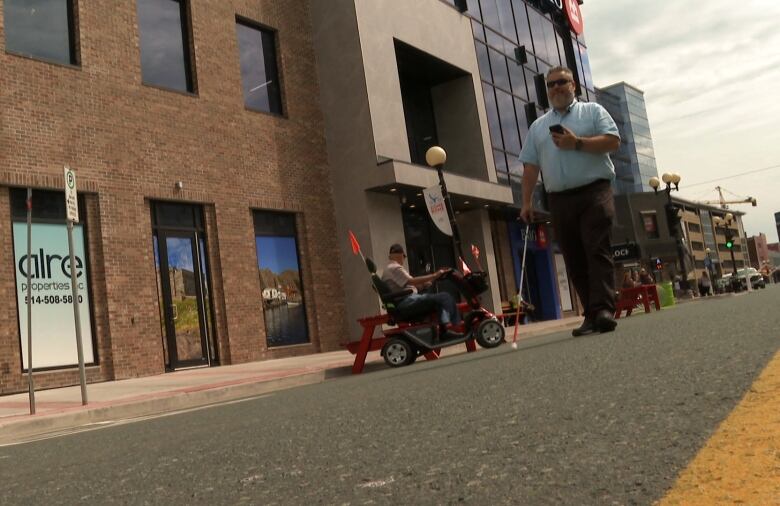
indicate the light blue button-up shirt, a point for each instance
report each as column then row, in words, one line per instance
column 566, row 169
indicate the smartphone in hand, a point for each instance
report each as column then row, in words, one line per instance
column 557, row 129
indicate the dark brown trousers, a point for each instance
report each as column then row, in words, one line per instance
column 582, row 220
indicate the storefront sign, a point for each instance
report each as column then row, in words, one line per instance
column 625, row 252
column 53, row 325
column 570, row 7
column 437, row 208
column 575, row 16
column 541, row 236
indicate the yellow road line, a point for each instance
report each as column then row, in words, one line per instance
column 740, row 464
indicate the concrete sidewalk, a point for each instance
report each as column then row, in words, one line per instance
column 60, row 408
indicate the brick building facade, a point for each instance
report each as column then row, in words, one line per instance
column 137, row 147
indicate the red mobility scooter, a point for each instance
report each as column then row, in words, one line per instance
column 416, row 329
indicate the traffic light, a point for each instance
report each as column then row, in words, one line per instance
column 672, row 219
column 729, row 240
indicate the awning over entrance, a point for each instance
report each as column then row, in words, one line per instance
column 408, row 180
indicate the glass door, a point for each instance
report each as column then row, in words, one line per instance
column 183, row 307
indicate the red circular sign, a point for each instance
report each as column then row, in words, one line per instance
column 541, row 236
column 575, row 16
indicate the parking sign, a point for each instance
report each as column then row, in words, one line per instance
column 71, row 202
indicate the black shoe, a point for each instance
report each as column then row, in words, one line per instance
column 587, row 327
column 605, row 322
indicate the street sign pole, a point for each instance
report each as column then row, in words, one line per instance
column 71, row 206
column 30, row 382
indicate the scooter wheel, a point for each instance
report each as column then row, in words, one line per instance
column 490, row 333
column 398, row 352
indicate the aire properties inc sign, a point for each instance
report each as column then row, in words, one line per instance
column 53, row 324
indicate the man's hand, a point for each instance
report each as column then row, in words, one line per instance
column 566, row 140
column 527, row 213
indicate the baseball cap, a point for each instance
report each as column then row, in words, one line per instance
column 396, row 248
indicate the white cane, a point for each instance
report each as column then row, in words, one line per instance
column 520, row 290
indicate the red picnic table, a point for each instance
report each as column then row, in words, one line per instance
column 629, row 298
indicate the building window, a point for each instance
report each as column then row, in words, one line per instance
column 53, row 323
column 165, row 44
column 259, row 71
column 44, row 29
column 650, row 223
column 280, row 278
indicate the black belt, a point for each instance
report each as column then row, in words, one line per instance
column 582, row 188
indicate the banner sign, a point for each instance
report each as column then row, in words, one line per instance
column 571, row 9
column 53, row 325
column 437, row 208
column 574, row 16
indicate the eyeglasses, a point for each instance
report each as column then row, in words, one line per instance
column 557, row 82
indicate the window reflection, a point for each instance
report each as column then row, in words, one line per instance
column 280, row 279
column 523, row 30
column 259, row 72
column 40, row 28
column 483, row 61
column 506, row 111
column 492, row 116
column 164, row 44
column 500, row 73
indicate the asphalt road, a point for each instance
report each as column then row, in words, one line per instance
column 604, row 419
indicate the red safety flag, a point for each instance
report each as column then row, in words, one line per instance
column 354, row 242
column 464, row 267
column 475, row 254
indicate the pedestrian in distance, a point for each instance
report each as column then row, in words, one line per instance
column 635, row 278
column 627, row 281
column 645, row 278
column 705, row 284
column 570, row 146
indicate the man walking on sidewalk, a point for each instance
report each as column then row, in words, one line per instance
column 570, row 144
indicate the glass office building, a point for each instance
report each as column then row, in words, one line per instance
column 635, row 160
column 516, row 43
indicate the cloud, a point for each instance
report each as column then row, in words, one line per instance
column 708, row 70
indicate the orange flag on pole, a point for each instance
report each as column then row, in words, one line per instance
column 354, row 242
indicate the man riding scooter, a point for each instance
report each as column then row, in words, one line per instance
column 398, row 278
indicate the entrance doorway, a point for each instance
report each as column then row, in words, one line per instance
column 183, row 285
column 428, row 249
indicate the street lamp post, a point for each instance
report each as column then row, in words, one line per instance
column 672, row 217
column 435, row 157
column 710, row 270
column 725, row 224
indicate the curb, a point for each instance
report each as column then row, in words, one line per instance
column 29, row 428
column 22, row 430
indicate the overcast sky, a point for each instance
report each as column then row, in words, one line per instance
column 710, row 71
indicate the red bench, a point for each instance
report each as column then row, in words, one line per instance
column 629, row 298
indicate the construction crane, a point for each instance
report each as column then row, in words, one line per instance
column 724, row 203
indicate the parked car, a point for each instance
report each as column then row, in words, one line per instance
column 723, row 284
column 756, row 279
